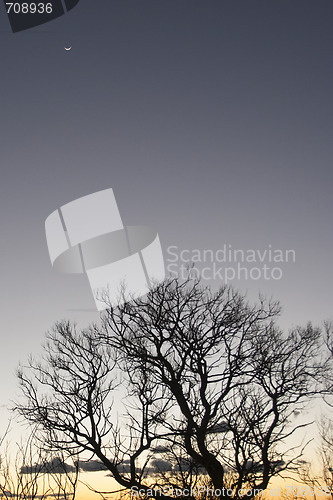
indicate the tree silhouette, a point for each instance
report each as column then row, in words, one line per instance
column 183, row 387
column 27, row 471
column 319, row 476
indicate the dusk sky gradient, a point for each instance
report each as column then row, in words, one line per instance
column 210, row 119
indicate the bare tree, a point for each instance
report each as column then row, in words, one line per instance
column 205, row 387
column 28, row 472
column 319, row 476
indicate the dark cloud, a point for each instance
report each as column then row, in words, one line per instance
column 159, row 465
column 54, row 466
column 301, row 462
column 91, row 466
column 125, row 468
column 278, row 464
column 186, row 465
column 219, row 428
column 160, row 449
column 250, row 465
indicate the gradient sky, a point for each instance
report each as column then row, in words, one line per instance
column 210, row 119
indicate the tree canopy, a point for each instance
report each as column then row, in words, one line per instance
column 182, row 388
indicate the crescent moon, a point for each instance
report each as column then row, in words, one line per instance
column 68, row 48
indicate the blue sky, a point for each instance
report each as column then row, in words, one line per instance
column 211, row 121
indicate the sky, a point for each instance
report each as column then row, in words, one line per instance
column 212, row 122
